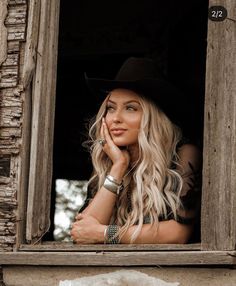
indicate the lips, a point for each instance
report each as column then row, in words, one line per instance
column 117, row 131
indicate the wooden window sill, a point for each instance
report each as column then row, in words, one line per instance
column 60, row 254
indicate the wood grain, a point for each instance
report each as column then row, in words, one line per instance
column 69, row 246
column 43, row 106
column 219, row 164
column 137, row 258
column 3, row 31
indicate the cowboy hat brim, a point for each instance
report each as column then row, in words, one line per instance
column 165, row 95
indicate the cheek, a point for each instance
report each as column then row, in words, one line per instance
column 108, row 120
column 135, row 132
column 135, row 123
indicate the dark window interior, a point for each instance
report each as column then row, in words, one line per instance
column 96, row 37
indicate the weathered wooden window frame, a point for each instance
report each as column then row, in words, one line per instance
column 218, row 228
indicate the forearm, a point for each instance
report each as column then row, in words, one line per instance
column 168, row 232
column 102, row 205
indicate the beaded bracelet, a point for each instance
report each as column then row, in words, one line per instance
column 111, row 234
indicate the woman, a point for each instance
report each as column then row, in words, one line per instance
column 143, row 188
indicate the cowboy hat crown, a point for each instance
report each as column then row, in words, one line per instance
column 142, row 76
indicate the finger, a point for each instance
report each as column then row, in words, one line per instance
column 72, row 236
column 75, row 227
column 106, row 133
column 73, row 231
column 79, row 216
column 75, row 240
column 76, row 224
column 101, row 130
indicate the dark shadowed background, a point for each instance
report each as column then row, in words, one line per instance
column 96, row 37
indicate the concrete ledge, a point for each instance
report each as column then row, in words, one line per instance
column 44, row 276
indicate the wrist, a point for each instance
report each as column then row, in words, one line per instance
column 101, row 231
column 118, row 171
column 111, row 234
column 112, row 185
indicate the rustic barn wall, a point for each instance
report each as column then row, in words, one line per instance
column 13, row 19
column 13, row 15
column 219, row 181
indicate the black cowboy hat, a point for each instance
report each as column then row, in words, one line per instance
column 142, row 76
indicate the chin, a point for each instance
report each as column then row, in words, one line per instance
column 121, row 143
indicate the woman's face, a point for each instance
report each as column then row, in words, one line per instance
column 123, row 117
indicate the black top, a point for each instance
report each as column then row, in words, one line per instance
column 189, row 212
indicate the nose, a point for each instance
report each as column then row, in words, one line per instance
column 117, row 116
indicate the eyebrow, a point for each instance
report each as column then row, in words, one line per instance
column 126, row 102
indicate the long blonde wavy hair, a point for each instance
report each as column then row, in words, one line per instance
column 151, row 184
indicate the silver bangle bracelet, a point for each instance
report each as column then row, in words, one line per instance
column 105, row 235
column 111, row 185
column 113, row 180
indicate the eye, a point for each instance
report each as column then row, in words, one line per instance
column 110, row 108
column 131, row 108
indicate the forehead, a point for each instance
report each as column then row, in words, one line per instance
column 123, row 95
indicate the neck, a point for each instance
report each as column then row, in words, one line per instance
column 134, row 153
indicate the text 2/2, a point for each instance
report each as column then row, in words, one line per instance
column 217, row 13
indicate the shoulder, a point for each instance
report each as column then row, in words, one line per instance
column 188, row 149
column 189, row 153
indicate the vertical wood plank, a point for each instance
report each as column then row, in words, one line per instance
column 30, row 55
column 28, row 71
column 3, row 31
column 43, row 103
column 219, row 166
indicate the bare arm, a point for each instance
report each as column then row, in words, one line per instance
column 169, row 231
column 91, row 231
column 103, row 203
